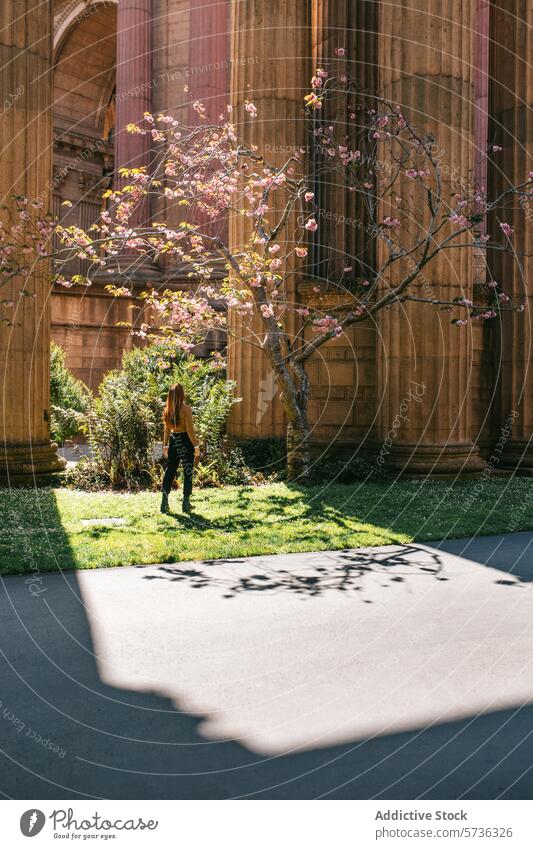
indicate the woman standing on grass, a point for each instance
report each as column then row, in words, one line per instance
column 179, row 445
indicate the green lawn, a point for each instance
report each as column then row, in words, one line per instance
column 47, row 529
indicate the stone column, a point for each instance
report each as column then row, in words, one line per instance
column 425, row 64
column 511, row 102
column 271, row 67
column 484, row 367
column 350, row 24
column 133, row 98
column 26, row 454
column 171, row 31
column 209, row 78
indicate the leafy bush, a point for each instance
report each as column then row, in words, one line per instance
column 122, row 429
column 347, row 470
column 226, row 468
column 126, row 420
column 267, row 456
column 70, row 399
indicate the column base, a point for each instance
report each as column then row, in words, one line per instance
column 30, row 464
column 431, row 461
column 518, row 457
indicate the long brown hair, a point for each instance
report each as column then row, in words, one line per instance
column 175, row 399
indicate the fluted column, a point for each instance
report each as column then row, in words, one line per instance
column 426, row 51
column 271, row 67
column 351, row 25
column 209, row 79
column 511, row 101
column 133, row 98
column 26, row 454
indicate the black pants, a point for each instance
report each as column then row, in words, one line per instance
column 180, row 450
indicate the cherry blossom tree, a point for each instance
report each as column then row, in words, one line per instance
column 206, row 173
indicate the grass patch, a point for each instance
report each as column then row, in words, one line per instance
column 47, row 529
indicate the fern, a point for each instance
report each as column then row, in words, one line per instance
column 70, row 399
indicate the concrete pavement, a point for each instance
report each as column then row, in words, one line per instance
column 394, row 672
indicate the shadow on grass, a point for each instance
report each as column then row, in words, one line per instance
column 32, row 535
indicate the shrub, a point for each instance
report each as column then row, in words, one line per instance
column 122, row 430
column 70, row 399
column 268, row 456
column 345, row 470
column 126, row 420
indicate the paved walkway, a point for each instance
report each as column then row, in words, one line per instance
column 397, row 672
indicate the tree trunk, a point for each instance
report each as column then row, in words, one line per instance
column 295, row 389
column 298, row 451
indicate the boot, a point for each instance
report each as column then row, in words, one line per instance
column 186, row 505
column 164, row 503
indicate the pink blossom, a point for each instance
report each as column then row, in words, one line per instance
column 327, row 324
column 459, row 220
column 340, row 51
column 309, row 196
column 302, row 311
column 274, row 249
column 348, row 268
column 250, row 108
column 392, row 223
column 507, row 229
column 311, row 225
column 267, row 311
column 313, row 100
column 412, row 172
column 365, row 283
column 301, row 252
column 496, row 148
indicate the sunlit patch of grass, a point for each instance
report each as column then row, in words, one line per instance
column 44, row 529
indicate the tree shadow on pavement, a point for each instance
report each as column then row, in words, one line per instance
column 308, row 575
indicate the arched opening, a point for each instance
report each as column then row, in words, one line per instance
column 84, row 322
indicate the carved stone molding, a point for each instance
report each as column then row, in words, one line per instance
column 65, row 13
